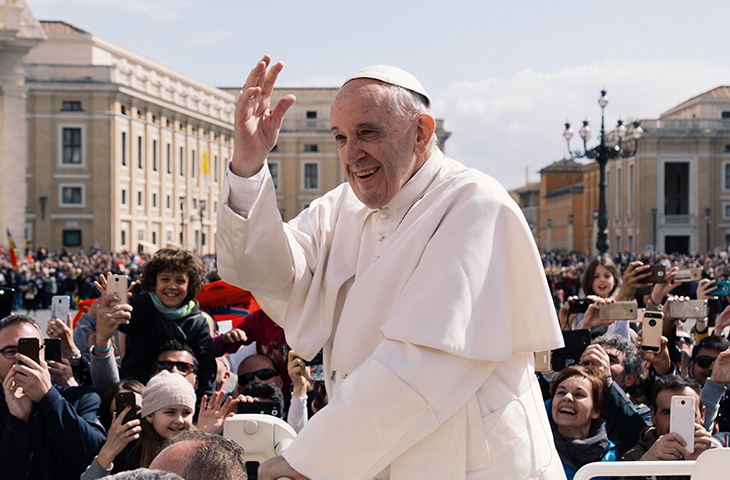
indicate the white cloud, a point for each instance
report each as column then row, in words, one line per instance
column 502, row 126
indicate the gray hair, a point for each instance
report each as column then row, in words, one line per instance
column 410, row 105
column 215, row 456
column 632, row 360
column 144, row 474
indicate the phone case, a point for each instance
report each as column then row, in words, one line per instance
column 688, row 274
column 658, row 274
column 682, row 419
column 651, row 331
column 117, row 285
column 722, row 290
column 575, row 341
column 263, row 408
column 618, row 311
column 30, row 347
column 123, row 399
column 542, row 361
column 688, row 309
column 52, row 349
column 60, row 305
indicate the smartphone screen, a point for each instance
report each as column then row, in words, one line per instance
column 30, row 347
column 53, row 349
column 7, row 295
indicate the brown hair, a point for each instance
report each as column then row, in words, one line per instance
column 593, row 375
column 175, row 260
column 605, row 261
column 149, row 443
column 105, row 417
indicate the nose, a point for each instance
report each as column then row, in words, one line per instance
column 351, row 152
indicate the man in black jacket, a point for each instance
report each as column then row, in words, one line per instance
column 46, row 431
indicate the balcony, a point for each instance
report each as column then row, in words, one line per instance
column 682, row 221
column 695, row 124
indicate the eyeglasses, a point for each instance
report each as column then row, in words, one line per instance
column 182, row 367
column 263, row 374
column 704, row 361
column 9, row 352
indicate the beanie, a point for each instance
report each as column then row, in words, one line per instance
column 166, row 389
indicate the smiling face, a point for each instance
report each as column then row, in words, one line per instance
column 379, row 148
column 169, row 421
column 603, row 281
column 171, row 288
column 572, row 407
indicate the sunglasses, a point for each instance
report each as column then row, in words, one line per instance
column 182, row 367
column 704, row 361
column 263, row 374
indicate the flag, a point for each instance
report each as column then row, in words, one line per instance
column 11, row 248
column 206, row 169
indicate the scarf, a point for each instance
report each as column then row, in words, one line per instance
column 169, row 313
column 576, row 452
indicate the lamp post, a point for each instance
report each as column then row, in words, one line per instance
column 707, row 219
column 602, row 154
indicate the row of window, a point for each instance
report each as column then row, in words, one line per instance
column 310, row 177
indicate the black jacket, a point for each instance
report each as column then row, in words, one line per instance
column 59, row 440
column 147, row 331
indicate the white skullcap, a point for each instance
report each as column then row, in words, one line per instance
column 394, row 76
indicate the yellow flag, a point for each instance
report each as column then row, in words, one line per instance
column 206, row 169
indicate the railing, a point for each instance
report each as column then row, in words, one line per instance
column 637, row 468
column 678, row 220
column 686, row 124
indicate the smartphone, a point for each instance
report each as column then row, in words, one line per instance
column 618, row 311
column 7, row 296
column 30, row 347
column 658, row 274
column 579, row 306
column 53, row 349
column 651, row 331
column 60, row 305
column 543, row 360
column 317, row 360
column 688, row 309
column 264, row 408
column 117, row 285
column 722, row 290
column 575, row 342
column 121, row 400
column 682, row 419
column 692, row 274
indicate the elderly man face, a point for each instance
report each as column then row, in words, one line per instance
column 379, row 148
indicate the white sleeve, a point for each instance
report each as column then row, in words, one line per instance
column 397, row 397
column 244, row 190
column 297, row 416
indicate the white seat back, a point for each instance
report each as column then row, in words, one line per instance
column 261, row 436
column 712, row 464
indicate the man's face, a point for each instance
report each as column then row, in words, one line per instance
column 618, row 367
column 9, row 337
column 701, row 368
column 258, row 367
column 173, row 361
column 662, row 413
column 375, row 143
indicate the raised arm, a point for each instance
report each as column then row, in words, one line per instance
column 256, row 126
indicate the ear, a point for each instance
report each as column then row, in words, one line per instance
column 425, row 126
column 149, row 418
column 630, row 379
column 595, row 414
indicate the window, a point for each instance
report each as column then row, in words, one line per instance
column 124, row 196
column 72, row 238
column 139, row 199
column 140, row 235
column 727, row 210
column 124, row 237
column 311, row 114
column 311, row 147
column 71, row 146
column 311, row 119
column 274, row 170
column 124, row 149
column 182, row 162
column 169, row 236
column 154, row 200
column 154, row 238
column 215, row 168
column 311, row 176
column 192, row 164
column 124, row 112
column 72, row 196
column 631, row 192
column 139, row 151
column 154, row 155
column 169, row 159
column 618, row 193
column 727, row 176
column 726, row 115
column 70, row 106
column 168, row 201
column 618, row 243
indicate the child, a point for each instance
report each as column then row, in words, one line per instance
column 165, row 310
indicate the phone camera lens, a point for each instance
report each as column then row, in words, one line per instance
column 682, row 402
column 652, row 323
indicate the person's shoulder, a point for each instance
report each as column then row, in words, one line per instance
column 486, row 187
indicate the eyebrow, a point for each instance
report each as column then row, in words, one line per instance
column 372, row 126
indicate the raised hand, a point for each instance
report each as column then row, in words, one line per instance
column 634, row 277
column 256, row 128
column 213, row 413
column 58, row 328
column 19, row 404
column 120, row 434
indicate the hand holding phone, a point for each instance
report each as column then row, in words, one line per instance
column 117, row 285
column 30, row 347
column 682, row 419
column 618, row 311
column 651, row 331
column 122, row 400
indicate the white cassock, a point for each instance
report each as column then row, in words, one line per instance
column 428, row 313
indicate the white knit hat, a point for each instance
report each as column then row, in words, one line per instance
column 166, row 389
column 394, row 76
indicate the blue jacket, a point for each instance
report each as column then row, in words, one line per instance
column 59, row 440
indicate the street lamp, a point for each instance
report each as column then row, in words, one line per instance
column 602, row 153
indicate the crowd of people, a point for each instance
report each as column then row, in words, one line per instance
column 613, row 404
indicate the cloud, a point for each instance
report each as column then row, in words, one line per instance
column 502, row 126
column 166, row 10
column 206, row 39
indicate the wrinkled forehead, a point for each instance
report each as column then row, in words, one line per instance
column 10, row 334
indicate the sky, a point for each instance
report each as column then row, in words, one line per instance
column 504, row 75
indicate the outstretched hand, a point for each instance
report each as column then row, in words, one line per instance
column 256, row 127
